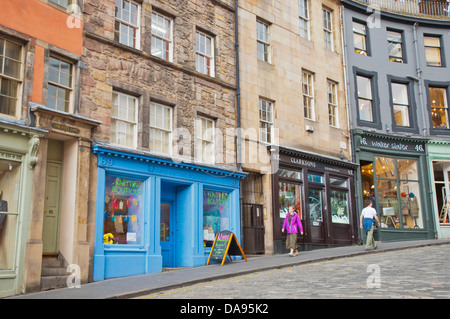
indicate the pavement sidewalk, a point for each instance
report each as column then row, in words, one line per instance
column 134, row 286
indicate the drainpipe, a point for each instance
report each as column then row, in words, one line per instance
column 419, row 80
column 238, row 88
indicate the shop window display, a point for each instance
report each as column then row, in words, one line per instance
column 398, row 191
column 289, row 195
column 123, row 211
column 339, row 207
column 216, row 215
column 9, row 202
column 441, row 172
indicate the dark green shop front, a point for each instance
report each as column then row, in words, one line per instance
column 393, row 174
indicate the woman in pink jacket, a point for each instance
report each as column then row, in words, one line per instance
column 293, row 225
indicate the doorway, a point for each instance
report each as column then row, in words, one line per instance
column 167, row 234
column 253, row 229
column 316, row 209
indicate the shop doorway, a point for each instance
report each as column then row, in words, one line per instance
column 253, row 229
column 316, row 206
column 167, row 234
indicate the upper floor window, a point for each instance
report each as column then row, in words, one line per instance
column 262, row 39
column 333, row 115
column 328, row 29
column 303, row 13
column 63, row 3
column 204, row 57
column 162, row 37
column 400, row 104
column 10, row 76
column 59, row 84
column 126, row 29
column 433, row 50
column 439, row 107
column 205, row 140
column 360, row 37
column 160, row 128
column 265, row 120
column 124, row 120
column 395, row 46
column 308, row 95
column 365, row 98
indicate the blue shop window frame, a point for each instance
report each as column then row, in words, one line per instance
column 116, row 260
column 235, row 219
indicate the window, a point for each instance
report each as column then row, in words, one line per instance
column 328, row 29
column 59, row 84
column 205, row 140
column 265, row 121
column 365, row 101
column 360, row 37
column 441, row 173
column 333, row 116
column 289, row 194
column 160, row 128
column 161, row 37
column 10, row 76
column 303, row 13
column 262, row 39
column 126, row 29
column 398, row 187
column 339, row 207
column 433, row 50
column 308, row 95
column 439, row 107
column 124, row 213
column 204, row 58
column 400, row 104
column 62, row 3
column 395, row 46
column 123, row 120
column 9, row 210
column 216, row 215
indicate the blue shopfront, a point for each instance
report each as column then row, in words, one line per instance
column 153, row 213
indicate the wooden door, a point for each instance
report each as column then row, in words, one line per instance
column 50, row 234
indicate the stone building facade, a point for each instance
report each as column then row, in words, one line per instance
column 293, row 94
column 161, row 77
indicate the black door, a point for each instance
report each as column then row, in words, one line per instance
column 253, row 229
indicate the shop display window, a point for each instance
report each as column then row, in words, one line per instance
column 339, row 207
column 216, row 215
column 441, row 172
column 123, row 211
column 394, row 192
column 289, row 195
column 9, row 206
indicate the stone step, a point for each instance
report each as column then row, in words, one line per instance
column 54, row 271
column 53, row 282
column 52, row 263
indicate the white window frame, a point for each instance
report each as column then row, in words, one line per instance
column 437, row 48
column 167, row 41
column 158, row 127
column 304, row 20
column 19, row 80
column 397, row 104
column 263, row 40
column 205, row 148
column 266, row 121
column 203, row 54
column 308, row 95
column 333, row 107
column 127, row 121
column 58, row 85
column 129, row 24
column 328, row 29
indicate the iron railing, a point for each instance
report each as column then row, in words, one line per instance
column 426, row 8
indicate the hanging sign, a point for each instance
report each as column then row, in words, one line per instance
column 225, row 244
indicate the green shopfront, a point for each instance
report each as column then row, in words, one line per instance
column 393, row 174
column 439, row 178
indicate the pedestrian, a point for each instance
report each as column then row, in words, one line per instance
column 367, row 220
column 293, row 225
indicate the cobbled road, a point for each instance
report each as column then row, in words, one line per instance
column 411, row 273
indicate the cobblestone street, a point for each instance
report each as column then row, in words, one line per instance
column 411, row 273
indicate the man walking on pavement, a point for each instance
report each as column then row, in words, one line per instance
column 367, row 218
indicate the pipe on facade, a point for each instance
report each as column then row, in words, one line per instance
column 238, row 88
column 419, row 80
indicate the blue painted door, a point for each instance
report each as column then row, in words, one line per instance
column 167, row 234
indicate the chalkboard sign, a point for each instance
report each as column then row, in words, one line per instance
column 225, row 244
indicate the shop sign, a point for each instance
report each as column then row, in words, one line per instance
column 225, row 244
column 403, row 146
column 65, row 128
column 317, row 165
column 10, row 156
